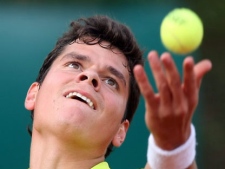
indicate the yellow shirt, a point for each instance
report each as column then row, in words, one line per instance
column 102, row 165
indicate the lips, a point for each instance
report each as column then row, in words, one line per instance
column 80, row 97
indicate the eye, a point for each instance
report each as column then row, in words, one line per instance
column 111, row 82
column 74, row 65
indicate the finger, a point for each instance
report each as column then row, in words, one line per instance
column 173, row 78
column 201, row 69
column 193, row 75
column 190, row 87
column 144, row 85
column 160, row 79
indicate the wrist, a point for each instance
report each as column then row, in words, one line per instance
column 179, row 158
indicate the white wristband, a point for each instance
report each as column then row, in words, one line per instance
column 179, row 158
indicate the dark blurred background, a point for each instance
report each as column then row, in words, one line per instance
column 28, row 32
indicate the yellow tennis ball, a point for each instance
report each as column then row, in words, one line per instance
column 181, row 31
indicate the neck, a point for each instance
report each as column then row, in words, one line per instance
column 52, row 153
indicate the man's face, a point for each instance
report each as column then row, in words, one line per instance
column 83, row 97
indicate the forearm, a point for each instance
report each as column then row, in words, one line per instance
column 192, row 166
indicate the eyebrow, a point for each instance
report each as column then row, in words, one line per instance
column 117, row 73
column 81, row 57
column 76, row 56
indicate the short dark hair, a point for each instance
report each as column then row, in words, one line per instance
column 95, row 30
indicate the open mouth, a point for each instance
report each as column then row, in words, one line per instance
column 80, row 97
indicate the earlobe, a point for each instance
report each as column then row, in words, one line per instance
column 31, row 96
column 121, row 134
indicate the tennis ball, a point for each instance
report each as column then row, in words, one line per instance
column 181, row 31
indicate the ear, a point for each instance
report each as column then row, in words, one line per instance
column 121, row 134
column 31, row 96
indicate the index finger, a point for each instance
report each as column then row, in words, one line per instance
column 144, row 85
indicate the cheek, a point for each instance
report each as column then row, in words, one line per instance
column 111, row 121
column 45, row 101
column 116, row 108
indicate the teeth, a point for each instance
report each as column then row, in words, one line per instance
column 87, row 100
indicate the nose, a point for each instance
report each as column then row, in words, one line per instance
column 91, row 77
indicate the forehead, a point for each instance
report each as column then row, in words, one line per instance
column 98, row 52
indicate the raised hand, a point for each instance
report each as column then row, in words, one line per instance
column 169, row 112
